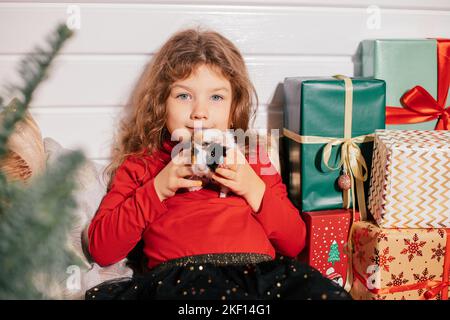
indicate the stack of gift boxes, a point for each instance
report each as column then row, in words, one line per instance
column 368, row 165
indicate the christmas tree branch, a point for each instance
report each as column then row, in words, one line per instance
column 35, row 220
column 33, row 70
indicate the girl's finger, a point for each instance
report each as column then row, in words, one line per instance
column 236, row 158
column 223, row 181
column 227, row 173
column 232, row 167
column 184, row 171
column 186, row 183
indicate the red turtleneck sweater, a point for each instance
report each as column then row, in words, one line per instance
column 189, row 223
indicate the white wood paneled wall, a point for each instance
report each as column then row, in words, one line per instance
column 80, row 104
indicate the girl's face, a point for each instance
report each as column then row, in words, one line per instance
column 204, row 97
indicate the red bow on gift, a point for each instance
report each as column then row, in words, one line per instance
column 419, row 104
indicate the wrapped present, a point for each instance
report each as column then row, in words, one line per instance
column 328, row 124
column 410, row 182
column 326, row 242
column 399, row 264
column 417, row 80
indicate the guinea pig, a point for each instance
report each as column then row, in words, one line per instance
column 208, row 149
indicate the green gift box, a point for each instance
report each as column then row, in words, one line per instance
column 315, row 107
column 404, row 64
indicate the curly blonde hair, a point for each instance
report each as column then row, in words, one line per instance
column 144, row 125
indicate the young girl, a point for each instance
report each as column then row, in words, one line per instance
column 198, row 245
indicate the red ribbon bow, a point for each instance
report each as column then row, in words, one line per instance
column 419, row 104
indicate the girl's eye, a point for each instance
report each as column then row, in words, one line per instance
column 183, row 96
column 217, row 97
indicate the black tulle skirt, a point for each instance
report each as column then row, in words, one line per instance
column 281, row 278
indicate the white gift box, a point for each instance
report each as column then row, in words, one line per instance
column 410, row 182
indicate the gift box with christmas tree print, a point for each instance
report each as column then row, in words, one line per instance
column 326, row 242
column 417, row 82
column 410, row 183
column 323, row 119
column 399, row 264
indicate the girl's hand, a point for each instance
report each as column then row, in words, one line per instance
column 239, row 176
column 171, row 178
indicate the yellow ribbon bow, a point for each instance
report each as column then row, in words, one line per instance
column 352, row 160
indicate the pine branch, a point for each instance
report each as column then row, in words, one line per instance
column 35, row 220
column 34, row 230
column 33, row 70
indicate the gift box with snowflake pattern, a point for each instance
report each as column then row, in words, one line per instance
column 399, row 264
